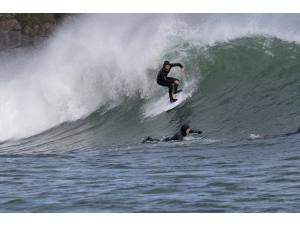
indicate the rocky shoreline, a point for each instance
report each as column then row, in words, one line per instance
column 27, row 29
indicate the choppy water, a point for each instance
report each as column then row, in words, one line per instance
column 73, row 114
column 258, row 176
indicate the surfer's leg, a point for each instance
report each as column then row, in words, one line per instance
column 170, row 84
column 176, row 83
column 173, row 80
column 167, row 139
column 165, row 83
column 171, row 91
column 173, row 87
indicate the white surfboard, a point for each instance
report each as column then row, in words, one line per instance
column 169, row 106
column 163, row 104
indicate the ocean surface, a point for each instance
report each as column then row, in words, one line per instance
column 74, row 110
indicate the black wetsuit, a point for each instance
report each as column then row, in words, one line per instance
column 179, row 136
column 164, row 80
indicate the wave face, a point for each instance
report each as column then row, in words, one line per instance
column 93, row 80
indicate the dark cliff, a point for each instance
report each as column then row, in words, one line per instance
column 25, row 29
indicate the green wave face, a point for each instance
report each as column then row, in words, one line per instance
column 247, row 85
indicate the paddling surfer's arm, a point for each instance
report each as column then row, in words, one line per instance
column 196, row 132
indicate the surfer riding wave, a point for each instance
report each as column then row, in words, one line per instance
column 164, row 80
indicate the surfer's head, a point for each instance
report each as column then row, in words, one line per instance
column 167, row 65
column 298, row 131
column 185, row 130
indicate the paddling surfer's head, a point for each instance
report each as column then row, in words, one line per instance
column 185, row 130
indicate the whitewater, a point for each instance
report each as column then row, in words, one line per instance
column 74, row 109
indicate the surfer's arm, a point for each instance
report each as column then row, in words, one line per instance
column 176, row 137
column 196, row 131
column 177, row 64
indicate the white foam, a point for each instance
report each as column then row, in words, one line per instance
column 93, row 62
column 254, row 136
